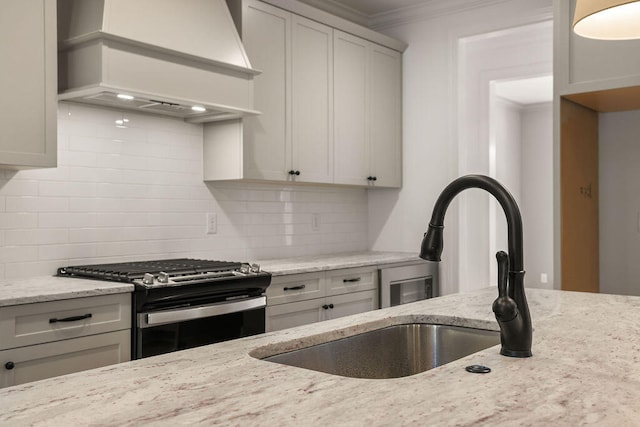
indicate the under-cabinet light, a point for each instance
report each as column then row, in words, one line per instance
column 198, row 108
column 125, row 96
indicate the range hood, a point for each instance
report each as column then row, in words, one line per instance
column 181, row 58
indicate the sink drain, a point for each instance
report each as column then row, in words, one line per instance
column 478, row 369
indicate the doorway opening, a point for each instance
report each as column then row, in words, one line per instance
column 505, row 104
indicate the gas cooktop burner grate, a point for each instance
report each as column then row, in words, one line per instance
column 127, row 272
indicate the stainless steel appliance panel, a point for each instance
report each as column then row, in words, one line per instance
column 403, row 284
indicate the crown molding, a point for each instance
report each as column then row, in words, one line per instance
column 341, row 10
column 430, row 9
column 427, row 10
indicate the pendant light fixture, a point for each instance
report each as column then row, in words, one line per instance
column 607, row 19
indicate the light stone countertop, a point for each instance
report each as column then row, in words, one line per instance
column 584, row 371
column 309, row 264
column 51, row 288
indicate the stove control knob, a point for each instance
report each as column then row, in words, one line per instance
column 148, row 279
column 255, row 268
column 163, row 277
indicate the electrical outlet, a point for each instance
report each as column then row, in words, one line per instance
column 543, row 278
column 212, row 223
column 315, row 222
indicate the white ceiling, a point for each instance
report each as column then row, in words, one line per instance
column 374, row 7
column 533, row 90
column 362, row 12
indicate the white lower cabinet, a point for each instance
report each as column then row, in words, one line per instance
column 47, row 339
column 37, row 362
column 301, row 299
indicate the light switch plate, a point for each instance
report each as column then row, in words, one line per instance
column 212, row 223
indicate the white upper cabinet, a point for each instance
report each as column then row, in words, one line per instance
column 312, row 101
column 292, row 139
column 266, row 35
column 330, row 104
column 351, row 125
column 28, row 105
column 368, row 119
column 385, row 112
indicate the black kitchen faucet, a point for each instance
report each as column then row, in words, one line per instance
column 510, row 308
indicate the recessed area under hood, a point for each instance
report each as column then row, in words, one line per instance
column 161, row 56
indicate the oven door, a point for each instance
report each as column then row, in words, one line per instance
column 168, row 330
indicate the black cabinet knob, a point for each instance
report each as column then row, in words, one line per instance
column 9, row 365
column 326, row 307
column 374, row 178
column 292, row 172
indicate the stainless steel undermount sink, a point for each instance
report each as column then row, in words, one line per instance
column 391, row 352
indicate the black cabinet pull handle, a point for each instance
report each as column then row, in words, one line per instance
column 9, row 365
column 294, row 288
column 355, row 279
column 71, row 319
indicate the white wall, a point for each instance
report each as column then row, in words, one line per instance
column 398, row 218
column 619, row 192
column 537, row 193
column 507, row 165
column 137, row 193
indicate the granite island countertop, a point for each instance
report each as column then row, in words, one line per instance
column 584, row 371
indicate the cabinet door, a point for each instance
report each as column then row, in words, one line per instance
column 351, row 109
column 312, row 100
column 266, row 35
column 386, row 116
column 300, row 313
column 37, row 362
column 352, row 303
column 29, row 87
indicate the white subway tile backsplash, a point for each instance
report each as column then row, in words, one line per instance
column 18, row 220
column 137, row 193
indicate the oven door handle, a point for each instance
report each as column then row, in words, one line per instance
column 147, row 320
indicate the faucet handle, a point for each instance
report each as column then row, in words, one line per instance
column 504, row 307
column 503, row 272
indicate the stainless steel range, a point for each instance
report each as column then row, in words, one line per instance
column 184, row 303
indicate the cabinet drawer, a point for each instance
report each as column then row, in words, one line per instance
column 48, row 360
column 38, row 323
column 295, row 287
column 351, row 280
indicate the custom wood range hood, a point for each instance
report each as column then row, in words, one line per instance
column 177, row 58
